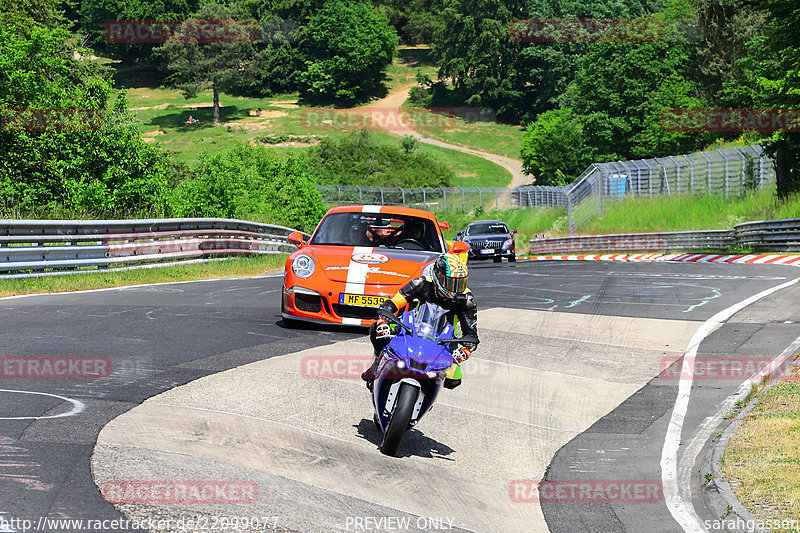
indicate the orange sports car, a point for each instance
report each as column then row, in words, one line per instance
column 357, row 257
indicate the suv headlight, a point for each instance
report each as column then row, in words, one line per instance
column 303, row 266
column 508, row 243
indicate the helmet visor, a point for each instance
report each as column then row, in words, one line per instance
column 456, row 285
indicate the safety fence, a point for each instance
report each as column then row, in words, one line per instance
column 728, row 172
column 772, row 235
column 444, row 198
column 48, row 247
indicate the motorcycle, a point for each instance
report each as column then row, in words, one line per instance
column 412, row 370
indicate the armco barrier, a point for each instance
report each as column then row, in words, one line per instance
column 636, row 242
column 774, row 235
column 43, row 247
column 778, row 235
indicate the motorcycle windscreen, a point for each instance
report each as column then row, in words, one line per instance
column 430, row 324
column 430, row 321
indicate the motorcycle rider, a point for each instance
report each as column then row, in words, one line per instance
column 446, row 287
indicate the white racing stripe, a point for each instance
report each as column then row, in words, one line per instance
column 356, row 278
column 357, row 272
column 677, row 495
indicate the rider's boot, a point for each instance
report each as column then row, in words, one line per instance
column 368, row 375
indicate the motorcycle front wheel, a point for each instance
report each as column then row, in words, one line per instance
column 398, row 423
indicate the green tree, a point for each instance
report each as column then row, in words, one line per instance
column 93, row 166
column 620, row 91
column 553, row 147
column 346, row 47
column 27, row 14
column 780, row 88
column 195, row 65
column 552, row 65
column 252, row 183
column 491, row 66
column 95, row 14
column 722, row 71
column 479, row 57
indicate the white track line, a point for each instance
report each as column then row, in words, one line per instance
column 677, row 496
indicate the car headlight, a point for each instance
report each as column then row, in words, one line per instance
column 303, row 266
column 508, row 243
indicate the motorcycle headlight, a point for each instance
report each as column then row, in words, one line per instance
column 508, row 243
column 303, row 266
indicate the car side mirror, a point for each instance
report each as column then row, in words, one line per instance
column 460, row 233
column 444, row 225
column 459, row 247
column 296, row 238
column 513, row 231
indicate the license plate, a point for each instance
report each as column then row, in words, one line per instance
column 487, row 251
column 361, row 300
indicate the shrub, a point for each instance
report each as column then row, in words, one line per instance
column 251, row 183
column 359, row 159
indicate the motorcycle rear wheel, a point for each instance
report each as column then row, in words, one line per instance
column 398, row 423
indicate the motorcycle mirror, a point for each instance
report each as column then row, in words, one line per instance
column 393, row 319
column 464, row 339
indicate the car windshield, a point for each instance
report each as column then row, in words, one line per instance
column 378, row 230
column 494, row 228
column 428, row 321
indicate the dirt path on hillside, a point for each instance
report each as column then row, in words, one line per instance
column 391, row 104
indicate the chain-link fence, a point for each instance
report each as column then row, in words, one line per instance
column 444, row 198
column 729, row 172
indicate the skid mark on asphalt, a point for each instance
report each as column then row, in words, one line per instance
column 526, row 393
column 684, row 296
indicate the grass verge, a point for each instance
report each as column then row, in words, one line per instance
column 685, row 213
column 761, row 461
column 232, row 268
column 493, row 137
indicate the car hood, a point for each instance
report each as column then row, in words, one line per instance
column 487, row 237
column 371, row 266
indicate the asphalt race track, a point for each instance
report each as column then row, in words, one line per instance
column 205, row 383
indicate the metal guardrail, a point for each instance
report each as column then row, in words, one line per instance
column 46, row 247
column 778, row 235
column 775, row 235
column 636, row 242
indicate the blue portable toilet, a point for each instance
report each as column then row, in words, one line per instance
column 618, row 184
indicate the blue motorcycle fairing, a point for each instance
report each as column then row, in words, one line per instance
column 419, row 353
